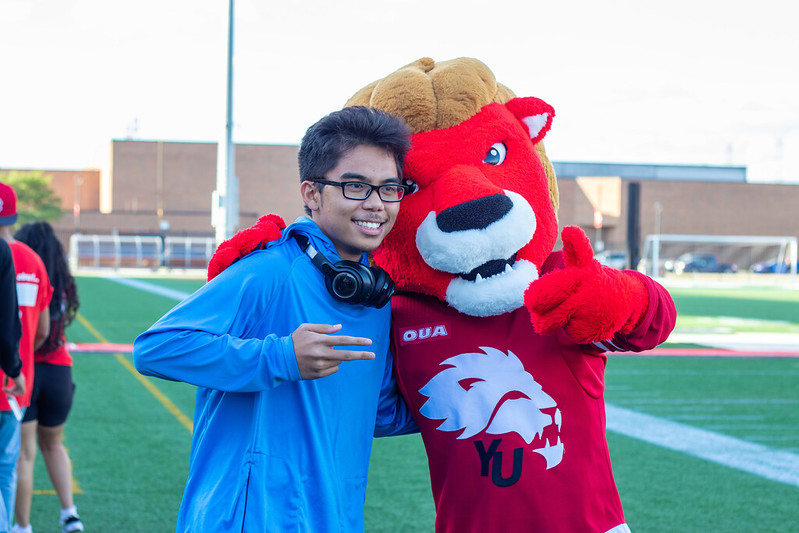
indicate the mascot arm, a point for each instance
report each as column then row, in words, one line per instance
column 590, row 302
column 656, row 325
column 268, row 228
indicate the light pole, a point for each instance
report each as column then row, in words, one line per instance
column 225, row 200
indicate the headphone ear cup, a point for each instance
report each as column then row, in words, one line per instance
column 350, row 282
column 383, row 288
column 355, row 283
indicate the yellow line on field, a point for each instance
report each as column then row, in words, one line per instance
column 160, row 396
column 91, row 329
column 50, row 492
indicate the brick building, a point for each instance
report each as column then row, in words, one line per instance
column 149, row 182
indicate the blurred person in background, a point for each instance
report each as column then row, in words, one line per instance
column 33, row 296
column 10, row 326
column 53, row 388
column 10, row 333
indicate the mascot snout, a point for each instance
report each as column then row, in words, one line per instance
column 474, row 214
column 464, row 237
column 477, row 244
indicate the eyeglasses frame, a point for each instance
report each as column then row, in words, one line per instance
column 343, row 184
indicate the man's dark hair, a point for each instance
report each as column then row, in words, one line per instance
column 331, row 137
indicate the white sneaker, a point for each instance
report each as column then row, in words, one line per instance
column 16, row 528
column 71, row 523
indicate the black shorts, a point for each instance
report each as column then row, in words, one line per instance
column 52, row 394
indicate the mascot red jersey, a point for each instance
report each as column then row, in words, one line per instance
column 499, row 343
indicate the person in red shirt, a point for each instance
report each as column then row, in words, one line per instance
column 33, row 295
column 53, row 390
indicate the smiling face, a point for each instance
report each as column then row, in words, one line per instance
column 354, row 226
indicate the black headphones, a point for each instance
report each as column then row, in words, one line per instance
column 349, row 281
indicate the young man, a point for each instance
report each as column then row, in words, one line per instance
column 33, row 294
column 293, row 380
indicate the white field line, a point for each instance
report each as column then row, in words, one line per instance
column 776, row 465
column 149, row 287
column 741, row 340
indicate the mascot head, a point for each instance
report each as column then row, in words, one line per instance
column 481, row 219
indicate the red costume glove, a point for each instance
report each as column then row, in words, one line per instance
column 255, row 237
column 589, row 301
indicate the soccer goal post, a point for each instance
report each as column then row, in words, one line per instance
column 746, row 250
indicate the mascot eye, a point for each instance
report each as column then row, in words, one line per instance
column 412, row 186
column 496, row 155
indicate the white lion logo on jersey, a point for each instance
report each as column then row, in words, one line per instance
column 492, row 391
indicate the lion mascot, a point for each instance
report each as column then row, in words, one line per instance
column 499, row 342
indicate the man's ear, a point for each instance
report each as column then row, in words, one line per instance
column 310, row 195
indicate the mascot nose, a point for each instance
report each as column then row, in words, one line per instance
column 474, row 214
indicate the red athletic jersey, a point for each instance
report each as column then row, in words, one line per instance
column 34, row 293
column 513, row 421
column 59, row 356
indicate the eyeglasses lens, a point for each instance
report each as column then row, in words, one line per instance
column 361, row 191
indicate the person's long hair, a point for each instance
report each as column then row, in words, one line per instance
column 64, row 304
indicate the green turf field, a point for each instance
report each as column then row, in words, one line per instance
column 749, row 309
column 129, row 442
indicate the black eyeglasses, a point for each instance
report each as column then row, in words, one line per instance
column 358, row 190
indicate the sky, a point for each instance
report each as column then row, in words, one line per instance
column 691, row 82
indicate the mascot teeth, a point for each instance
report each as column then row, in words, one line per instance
column 492, row 296
column 491, row 268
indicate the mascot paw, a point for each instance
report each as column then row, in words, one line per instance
column 589, row 301
column 267, row 229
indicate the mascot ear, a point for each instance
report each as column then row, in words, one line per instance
column 535, row 114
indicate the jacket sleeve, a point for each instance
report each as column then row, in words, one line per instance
column 393, row 415
column 10, row 326
column 656, row 324
column 206, row 339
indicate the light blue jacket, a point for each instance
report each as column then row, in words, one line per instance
column 271, row 452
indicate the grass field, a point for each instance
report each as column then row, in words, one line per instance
column 129, row 441
column 745, row 309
